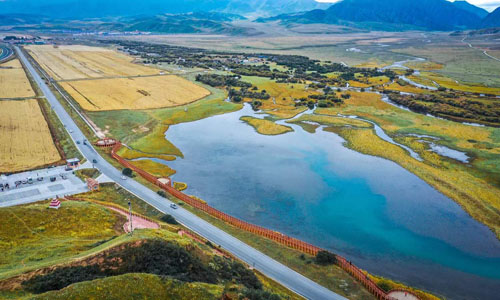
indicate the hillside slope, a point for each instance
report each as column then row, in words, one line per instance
column 492, row 20
column 390, row 14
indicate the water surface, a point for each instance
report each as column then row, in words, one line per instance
column 377, row 214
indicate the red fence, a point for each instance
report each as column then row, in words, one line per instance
column 261, row 231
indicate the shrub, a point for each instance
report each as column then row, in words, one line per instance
column 252, row 294
column 325, row 258
column 61, row 278
column 169, row 219
column 127, row 172
column 232, row 270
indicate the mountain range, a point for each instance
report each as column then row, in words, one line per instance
column 394, row 15
column 77, row 9
column 223, row 16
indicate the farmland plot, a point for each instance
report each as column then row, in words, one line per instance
column 13, row 81
column 134, row 93
column 25, row 140
column 77, row 62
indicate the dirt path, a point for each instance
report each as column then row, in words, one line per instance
column 400, row 295
column 137, row 223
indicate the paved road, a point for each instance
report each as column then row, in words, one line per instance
column 5, row 53
column 289, row 278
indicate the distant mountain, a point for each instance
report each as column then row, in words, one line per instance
column 200, row 22
column 492, row 20
column 480, row 12
column 391, row 14
column 114, row 8
column 17, row 19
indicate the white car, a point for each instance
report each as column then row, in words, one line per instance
column 173, row 206
column 124, row 177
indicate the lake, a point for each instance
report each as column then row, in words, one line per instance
column 368, row 209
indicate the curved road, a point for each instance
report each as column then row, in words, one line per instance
column 6, row 53
column 268, row 266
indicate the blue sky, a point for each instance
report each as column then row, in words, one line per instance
column 489, row 5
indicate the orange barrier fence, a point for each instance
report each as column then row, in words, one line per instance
column 261, row 231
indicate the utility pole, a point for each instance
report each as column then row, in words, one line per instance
column 130, row 217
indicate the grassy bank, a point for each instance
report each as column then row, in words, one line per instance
column 266, row 127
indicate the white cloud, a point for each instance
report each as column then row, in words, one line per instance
column 489, row 5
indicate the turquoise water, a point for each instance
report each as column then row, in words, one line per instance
column 370, row 210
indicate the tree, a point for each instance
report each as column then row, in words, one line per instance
column 326, row 258
column 127, row 172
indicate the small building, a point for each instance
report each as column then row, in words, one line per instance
column 73, row 163
column 55, row 203
column 92, row 184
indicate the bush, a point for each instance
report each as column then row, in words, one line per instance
column 232, row 270
column 127, row 172
column 169, row 219
column 252, row 294
column 325, row 258
column 61, row 278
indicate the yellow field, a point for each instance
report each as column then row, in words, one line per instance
column 76, row 62
column 13, row 81
column 25, row 140
column 134, row 93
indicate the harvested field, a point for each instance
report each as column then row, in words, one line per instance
column 25, row 140
column 77, row 62
column 134, row 93
column 13, row 81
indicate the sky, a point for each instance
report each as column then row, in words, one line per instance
column 489, row 5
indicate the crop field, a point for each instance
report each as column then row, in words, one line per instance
column 13, row 81
column 134, row 93
column 76, row 62
column 25, row 139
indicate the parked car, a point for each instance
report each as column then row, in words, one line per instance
column 124, row 177
column 94, row 161
column 78, row 142
column 173, row 206
column 52, row 179
column 40, row 179
column 30, row 180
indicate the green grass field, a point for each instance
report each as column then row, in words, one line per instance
column 33, row 236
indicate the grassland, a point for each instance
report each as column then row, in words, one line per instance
column 266, row 127
column 133, row 93
column 71, row 62
column 467, row 65
column 13, row 81
column 33, row 236
column 136, row 286
column 153, row 167
column 25, row 139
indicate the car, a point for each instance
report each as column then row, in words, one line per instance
column 78, row 142
column 30, row 180
column 94, row 161
column 85, row 142
column 173, row 206
column 52, row 179
column 24, row 181
column 124, row 177
column 70, row 131
column 40, row 179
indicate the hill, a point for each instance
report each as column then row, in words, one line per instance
column 464, row 5
column 391, row 15
column 197, row 22
column 492, row 20
column 113, row 8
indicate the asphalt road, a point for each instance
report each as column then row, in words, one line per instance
column 268, row 266
column 5, row 53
